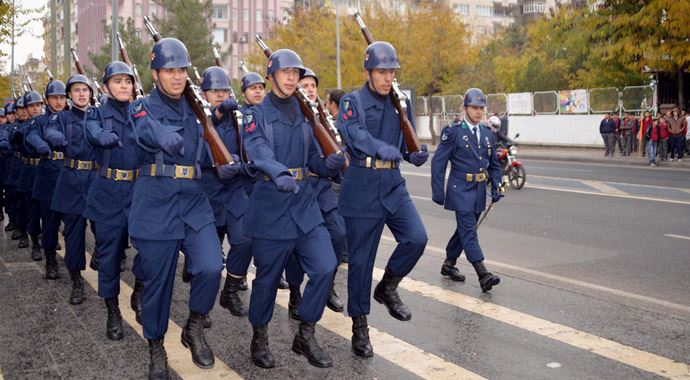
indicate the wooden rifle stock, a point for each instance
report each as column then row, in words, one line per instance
column 138, row 91
column 309, row 109
column 219, row 152
column 398, row 99
column 80, row 70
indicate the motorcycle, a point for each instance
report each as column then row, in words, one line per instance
column 514, row 173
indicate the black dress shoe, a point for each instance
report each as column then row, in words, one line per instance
column 193, row 338
column 448, row 269
column 334, row 303
column 487, row 280
column 305, row 344
column 230, row 298
column 361, row 345
column 386, row 293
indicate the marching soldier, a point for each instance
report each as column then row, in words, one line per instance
column 169, row 209
column 31, row 216
column 109, row 198
column 16, row 163
column 328, row 203
column 47, row 174
column 5, row 160
column 283, row 215
column 470, row 148
column 225, row 189
column 66, row 134
column 253, row 89
column 373, row 194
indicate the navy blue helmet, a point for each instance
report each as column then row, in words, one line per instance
column 215, row 78
column 381, row 55
column 115, row 68
column 309, row 73
column 284, row 59
column 169, row 53
column 9, row 108
column 55, row 87
column 474, row 97
column 78, row 78
column 19, row 103
column 32, row 97
column 251, row 78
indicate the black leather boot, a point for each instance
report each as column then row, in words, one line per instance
column 261, row 354
column 305, row 344
column 186, row 276
column 158, row 360
column 193, row 338
column 333, row 302
column 207, row 321
column 36, row 251
column 283, row 284
column 23, row 240
column 93, row 263
column 77, row 295
column 386, row 293
column 451, row 271
column 230, row 299
column 361, row 345
column 16, row 234
column 10, row 227
column 123, row 263
column 51, row 266
column 295, row 301
column 58, row 247
column 135, row 299
column 243, row 284
column 114, row 326
column 487, row 280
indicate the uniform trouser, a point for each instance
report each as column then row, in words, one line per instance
column 155, row 267
column 676, row 146
column 240, row 254
column 11, row 203
column 75, row 236
column 2, row 197
column 50, row 226
column 22, row 210
column 335, row 224
column 315, row 256
column 363, row 236
column 465, row 238
column 111, row 242
column 627, row 144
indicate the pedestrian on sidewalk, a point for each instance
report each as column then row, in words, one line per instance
column 626, row 134
column 635, row 131
column 662, row 145
column 607, row 128
column 686, row 115
column 676, row 134
column 653, row 135
column 617, row 134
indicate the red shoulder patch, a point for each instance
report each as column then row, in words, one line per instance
column 140, row 114
column 250, row 128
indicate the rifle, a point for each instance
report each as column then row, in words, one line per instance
column 80, row 70
column 50, row 75
column 28, row 82
column 309, row 109
column 196, row 74
column 202, row 110
column 398, row 98
column 237, row 115
column 98, row 86
column 138, row 88
column 243, row 67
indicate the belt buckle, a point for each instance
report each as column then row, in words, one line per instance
column 297, row 174
column 483, row 177
column 385, row 164
column 186, row 172
column 123, row 175
column 469, row 177
column 367, row 162
column 84, row 165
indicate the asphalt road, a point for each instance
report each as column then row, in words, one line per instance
column 595, row 277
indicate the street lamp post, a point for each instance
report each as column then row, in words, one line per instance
column 337, row 42
column 113, row 32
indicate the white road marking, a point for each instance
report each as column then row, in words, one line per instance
column 550, row 188
column 603, row 187
column 678, row 236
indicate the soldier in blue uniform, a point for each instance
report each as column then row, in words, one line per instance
column 225, row 188
column 5, row 159
column 16, row 163
column 283, row 215
column 470, row 147
column 47, row 174
column 328, row 203
column 253, row 89
column 110, row 195
column 169, row 209
column 30, row 218
column 66, row 133
column 373, row 194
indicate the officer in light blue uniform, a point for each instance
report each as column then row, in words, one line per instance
column 47, row 174
column 5, row 159
column 31, row 216
column 283, row 215
column 15, row 166
column 328, row 203
column 66, row 133
column 225, row 189
column 170, row 210
column 110, row 195
column 469, row 146
column 373, row 193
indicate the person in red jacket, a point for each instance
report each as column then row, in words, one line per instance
column 645, row 123
column 652, row 135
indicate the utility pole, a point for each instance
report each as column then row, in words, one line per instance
column 113, row 33
column 67, row 37
column 337, row 42
column 53, row 37
column 12, row 59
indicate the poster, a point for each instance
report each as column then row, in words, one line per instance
column 573, row 101
column 520, row 103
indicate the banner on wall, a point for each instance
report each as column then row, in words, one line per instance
column 573, row 101
column 520, row 103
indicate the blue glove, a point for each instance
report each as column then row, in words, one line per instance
column 43, row 150
column 335, row 161
column 389, row 153
column 419, row 158
column 227, row 106
column 108, row 139
column 287, row 184
column 172, row 144
column 5, row 145
column 229, row 171
column 496, row 196
column 55, row 139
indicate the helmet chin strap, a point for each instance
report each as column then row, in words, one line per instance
column 277, row 86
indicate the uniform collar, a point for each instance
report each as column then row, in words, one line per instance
column 370, row 99
column 157, row 102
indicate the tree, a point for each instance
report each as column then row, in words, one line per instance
column 8, row 12
column 139, row 52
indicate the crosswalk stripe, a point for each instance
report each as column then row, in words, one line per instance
column 179, row 357
column 633, row 357
column 419, row 362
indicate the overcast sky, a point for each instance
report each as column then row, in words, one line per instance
column 32, row 40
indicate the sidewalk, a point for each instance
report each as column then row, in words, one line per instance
column 593, row 155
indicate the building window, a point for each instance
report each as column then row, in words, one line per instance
column 245, row 14
column 271, row 15
column 259, row 15
column 462, row 9
column 220, row 36
column 234, row 13
column 152, row 11
column 234, row 37
column 534, row 7
column 220, row 12
column 483, row 10
column 137, row 10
